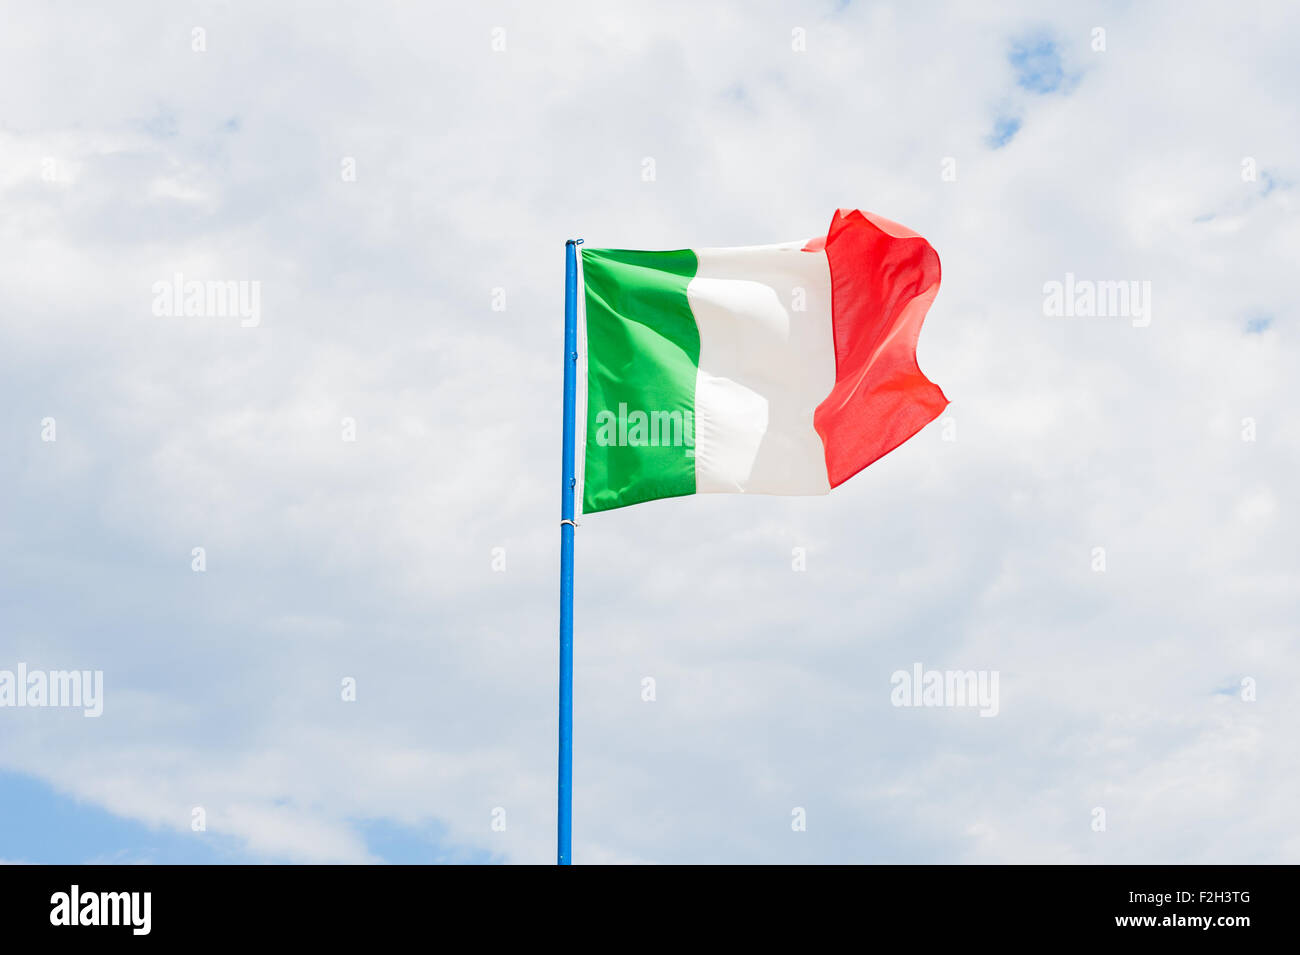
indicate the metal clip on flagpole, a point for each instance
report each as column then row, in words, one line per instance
column 564, row 813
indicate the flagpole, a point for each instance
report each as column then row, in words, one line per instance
column 564, row 813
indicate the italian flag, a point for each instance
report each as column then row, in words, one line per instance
column 769, row 369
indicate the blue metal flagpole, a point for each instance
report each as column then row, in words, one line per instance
column 564, row 815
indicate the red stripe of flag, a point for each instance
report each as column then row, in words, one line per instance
column 883, row 278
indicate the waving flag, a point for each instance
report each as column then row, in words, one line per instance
column 772, row 369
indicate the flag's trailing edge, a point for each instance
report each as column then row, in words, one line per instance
column 773, row 369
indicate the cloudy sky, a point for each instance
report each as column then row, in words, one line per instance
column 1106, row 514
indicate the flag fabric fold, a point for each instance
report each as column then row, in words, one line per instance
column 774, row 369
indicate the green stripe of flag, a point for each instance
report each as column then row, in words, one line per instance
column 643, row 351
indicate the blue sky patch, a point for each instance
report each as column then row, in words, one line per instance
column 418, row 845
column 56, row 829
column 1037, row 64
column 1003, row 131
